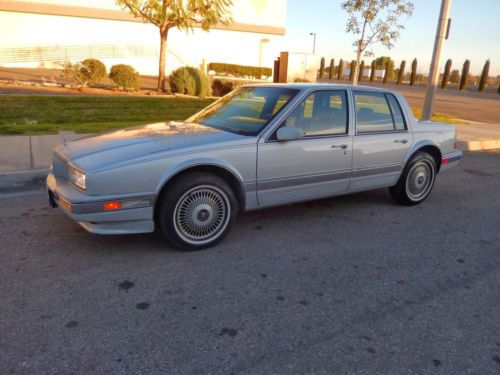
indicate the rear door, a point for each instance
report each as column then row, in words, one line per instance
column 381, row 140
column 316, row 166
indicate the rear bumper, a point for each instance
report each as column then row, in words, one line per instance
column 135, row 216
column 451, row 160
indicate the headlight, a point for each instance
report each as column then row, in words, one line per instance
column 77, row 177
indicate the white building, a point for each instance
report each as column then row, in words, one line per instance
column 44, row 33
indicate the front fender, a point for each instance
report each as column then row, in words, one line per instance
column 198, row 162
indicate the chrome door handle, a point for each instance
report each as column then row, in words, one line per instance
column 343, row 147
column 403, row 141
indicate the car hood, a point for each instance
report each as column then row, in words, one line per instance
column 159, row 139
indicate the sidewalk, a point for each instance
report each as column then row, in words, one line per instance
column 478, row 137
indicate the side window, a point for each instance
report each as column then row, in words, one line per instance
column 372, row 113
column 322, row 113
column 397, row 113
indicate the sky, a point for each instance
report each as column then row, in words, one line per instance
column 475, row 33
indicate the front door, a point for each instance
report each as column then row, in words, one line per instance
column 315, row 166
column 381, row 141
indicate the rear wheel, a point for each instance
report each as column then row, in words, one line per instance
column 197, row 211
column 416, row 181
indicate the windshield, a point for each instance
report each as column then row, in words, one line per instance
column 246, row 111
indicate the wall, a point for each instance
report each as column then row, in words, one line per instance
column 25, row 38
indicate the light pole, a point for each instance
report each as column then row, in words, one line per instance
column 314, row 42
column 441, row 35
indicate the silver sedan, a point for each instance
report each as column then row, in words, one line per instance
column 260, row 146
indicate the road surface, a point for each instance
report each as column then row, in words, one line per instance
column 354, row 284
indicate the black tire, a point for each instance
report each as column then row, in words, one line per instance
column 196, row 211
column 416, row 181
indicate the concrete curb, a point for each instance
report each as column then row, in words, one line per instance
column 32, row 152
column 479, row 145
column 23, row 180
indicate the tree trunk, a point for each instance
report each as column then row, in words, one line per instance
column 359, row 51
column 162, row 80
column 356, row 68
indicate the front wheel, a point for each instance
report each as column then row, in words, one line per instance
column 197, row 211
column 416, row 181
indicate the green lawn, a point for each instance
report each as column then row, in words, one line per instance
column 32, row 115
column 50, row 114
column 440, row 117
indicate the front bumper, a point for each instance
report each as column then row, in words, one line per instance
column 451, row 160
column 135, row 216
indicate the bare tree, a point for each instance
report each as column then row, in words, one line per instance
column 374, row 21
column 183, row 14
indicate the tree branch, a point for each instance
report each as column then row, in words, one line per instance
column 139, row 13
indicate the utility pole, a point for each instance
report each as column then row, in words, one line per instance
column 314, row 42
column 441, row 35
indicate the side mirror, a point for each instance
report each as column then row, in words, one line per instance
column 289, row 133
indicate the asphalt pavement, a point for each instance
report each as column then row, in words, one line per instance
column 353, row 284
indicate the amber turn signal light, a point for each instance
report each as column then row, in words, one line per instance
column 111, row 206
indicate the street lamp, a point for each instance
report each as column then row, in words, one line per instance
column 314, row 41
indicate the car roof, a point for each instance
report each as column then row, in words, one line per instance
column 309, row 86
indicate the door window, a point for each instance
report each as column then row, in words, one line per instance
column 322, row 113
column 378, row 112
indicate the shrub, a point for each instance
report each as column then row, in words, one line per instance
column 352, row 70
column 413, row 76
column 387, row 72
column 341, row 69
column 218, row 88
column 221, row 87
column 446, row 74
column 240, row 70
column 75, row 74
column 386, row 63
column 331, row 69
column 95, row 70
column 182, row 81
column 484, row 76
column 322, row 68
column 465, row 75
column 85, row 72
column 124, row 76
column 373, row 71
column 202, row 82
column 361, row 69
column 401, row 72
column 300, row 80
column 455, row 76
